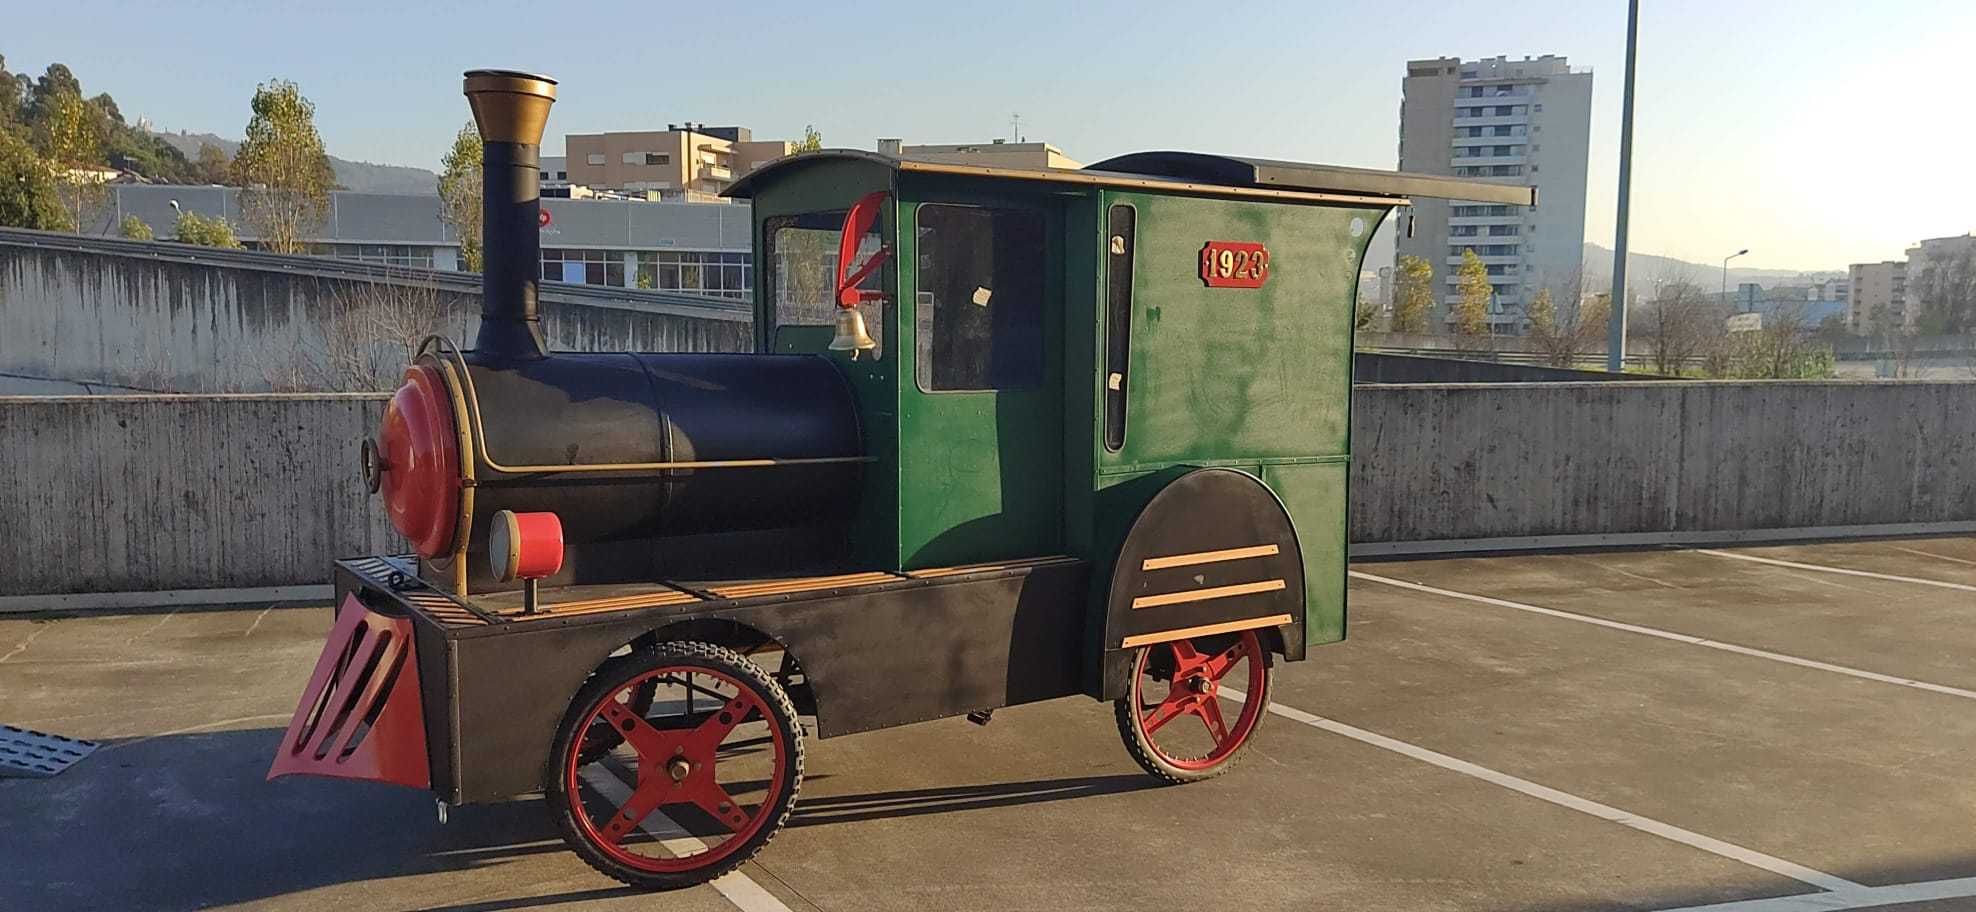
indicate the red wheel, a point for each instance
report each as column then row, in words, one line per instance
column 675, row 765
column 1176, row 717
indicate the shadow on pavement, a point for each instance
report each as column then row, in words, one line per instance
column 187, row 821
column 914, row 802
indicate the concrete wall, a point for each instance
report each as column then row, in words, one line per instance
column 1381, row 367
column 139, row 493
column 1629, row 462
column 172, row 318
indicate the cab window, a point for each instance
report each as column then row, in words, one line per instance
column 979, row 308
column 801, row 256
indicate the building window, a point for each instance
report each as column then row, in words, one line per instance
column 1504, row 230
column 562, row 175
column 632, row 158
column 386, row 254
column 583, row 267
column 1539, row 108
column 721, row 275
column 979, row 307
column 595, row 158
column 654, row 158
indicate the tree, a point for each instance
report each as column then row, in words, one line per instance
column 1565, row 334
column 193, row 228
column 1413, row 294
column 1782, row 350
column 55, row 82
column 134, row 228
column 12, row 96
column 459, row 194
column 1366, row 313
column 1680, row 325
column 1473, row 294
column 213, row 166
column 70, row 135
column 1946, row 288
column 28, row 197
column 812, row 141
column 283, row 169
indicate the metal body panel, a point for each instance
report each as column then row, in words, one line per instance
column 980, row 639
column 1239, row 375
column 985, row 475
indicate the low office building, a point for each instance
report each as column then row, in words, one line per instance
column 684, row 162
column 993, row 154
column 681, row 246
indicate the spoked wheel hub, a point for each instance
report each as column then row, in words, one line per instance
column 1194, row 704
column 698, row 775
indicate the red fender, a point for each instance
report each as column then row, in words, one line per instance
column 361, row 716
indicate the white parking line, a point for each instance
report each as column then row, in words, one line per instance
column 1965, row 587
column 1952, row 560
column 1860, row 898
column 738, row 888
column 1676, row 637
column 1667, row 831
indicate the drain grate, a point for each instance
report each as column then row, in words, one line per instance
column 38, row 755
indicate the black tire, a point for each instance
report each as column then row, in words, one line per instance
column 1156, row 760
column 613, row 676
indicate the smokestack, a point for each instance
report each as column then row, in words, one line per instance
column 510, row 109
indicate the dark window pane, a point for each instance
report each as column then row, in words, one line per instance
column 980, row 301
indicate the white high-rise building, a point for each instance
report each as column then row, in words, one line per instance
column 1517, row 121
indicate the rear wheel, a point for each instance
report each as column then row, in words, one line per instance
column 675, row 765
column 1194, row 704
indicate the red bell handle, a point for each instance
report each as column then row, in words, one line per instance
column 858, row 222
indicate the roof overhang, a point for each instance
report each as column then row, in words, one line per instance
column 1187, row 173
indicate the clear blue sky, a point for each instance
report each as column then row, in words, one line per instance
column 1817, row 132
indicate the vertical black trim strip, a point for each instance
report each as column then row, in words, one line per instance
column 1120, row 223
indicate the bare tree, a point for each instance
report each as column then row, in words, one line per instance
column 1900, row 340
column 1785, row 348
column 367, row 335
column 1566, row 332
column 1678, row 326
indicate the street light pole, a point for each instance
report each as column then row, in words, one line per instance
column 1616, row 330
column 1725, row 272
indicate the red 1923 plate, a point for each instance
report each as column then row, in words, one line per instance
column 1234, row 264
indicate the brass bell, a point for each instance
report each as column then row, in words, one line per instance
column 851, row 335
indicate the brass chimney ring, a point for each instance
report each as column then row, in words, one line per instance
column 508, row 106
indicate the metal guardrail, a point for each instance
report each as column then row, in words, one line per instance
column 465, row 283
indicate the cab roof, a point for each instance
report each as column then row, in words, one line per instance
column 1186, row 173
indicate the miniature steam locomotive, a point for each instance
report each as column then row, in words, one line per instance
column 1007, row 435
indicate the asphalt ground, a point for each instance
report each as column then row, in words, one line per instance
column 1779, row 729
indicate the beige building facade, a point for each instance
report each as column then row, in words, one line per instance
column 683, row 162
column 1879, row 296
column 995, row 154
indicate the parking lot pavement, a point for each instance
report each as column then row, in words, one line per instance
column 1564, row 732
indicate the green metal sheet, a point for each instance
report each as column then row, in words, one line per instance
column 1222, row 376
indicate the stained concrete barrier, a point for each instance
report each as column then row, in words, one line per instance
column 1476, row 466
column 167, row 317
column 108, row 500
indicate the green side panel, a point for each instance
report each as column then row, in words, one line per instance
column 874, row 381
column 1314, row 493
column 1225, row 376
column 983, row 476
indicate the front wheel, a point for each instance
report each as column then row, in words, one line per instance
column 675, row 765
column 1194, row 704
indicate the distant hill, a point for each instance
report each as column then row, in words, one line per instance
column 1647, row 266
column 362, row 177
